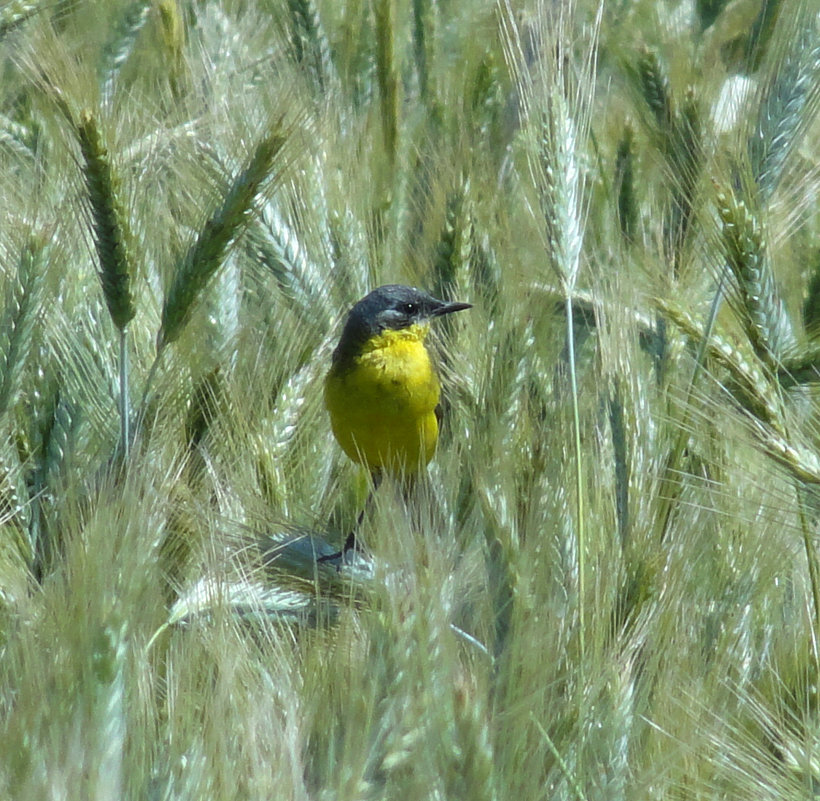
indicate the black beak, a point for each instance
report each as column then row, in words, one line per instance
column 449, row 308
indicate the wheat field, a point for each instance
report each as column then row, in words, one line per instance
column 609, row 586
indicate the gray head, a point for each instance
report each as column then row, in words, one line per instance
column 392, row 306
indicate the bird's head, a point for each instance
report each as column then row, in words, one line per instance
column 390, row 307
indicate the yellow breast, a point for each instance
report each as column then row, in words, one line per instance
column 382, row 404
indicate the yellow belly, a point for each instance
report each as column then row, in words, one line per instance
column 382, row 405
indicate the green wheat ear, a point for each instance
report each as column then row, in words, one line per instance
column 764, row 315
column 802, row 367
column 386, row 74
column 17, row 325
column 425, row 23
column 625, row 184
column 207, row 252
column 454, row 248
column 789, row 99
column 111, row 232
column 311, row 48
column 121, row 46
column 654, row 86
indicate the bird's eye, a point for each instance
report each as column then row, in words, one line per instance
column 409, row 308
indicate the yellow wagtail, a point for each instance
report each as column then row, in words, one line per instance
column 382, row 390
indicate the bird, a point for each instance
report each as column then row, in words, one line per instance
column 382, row 390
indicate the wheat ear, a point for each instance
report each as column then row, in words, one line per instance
column 111, row 240
column 122, row 44
column 788, row 103
column 17, row 328
column 111, row 232
column 764, row 315
column 206, row 254
column 386, row 74
column 310, row 43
